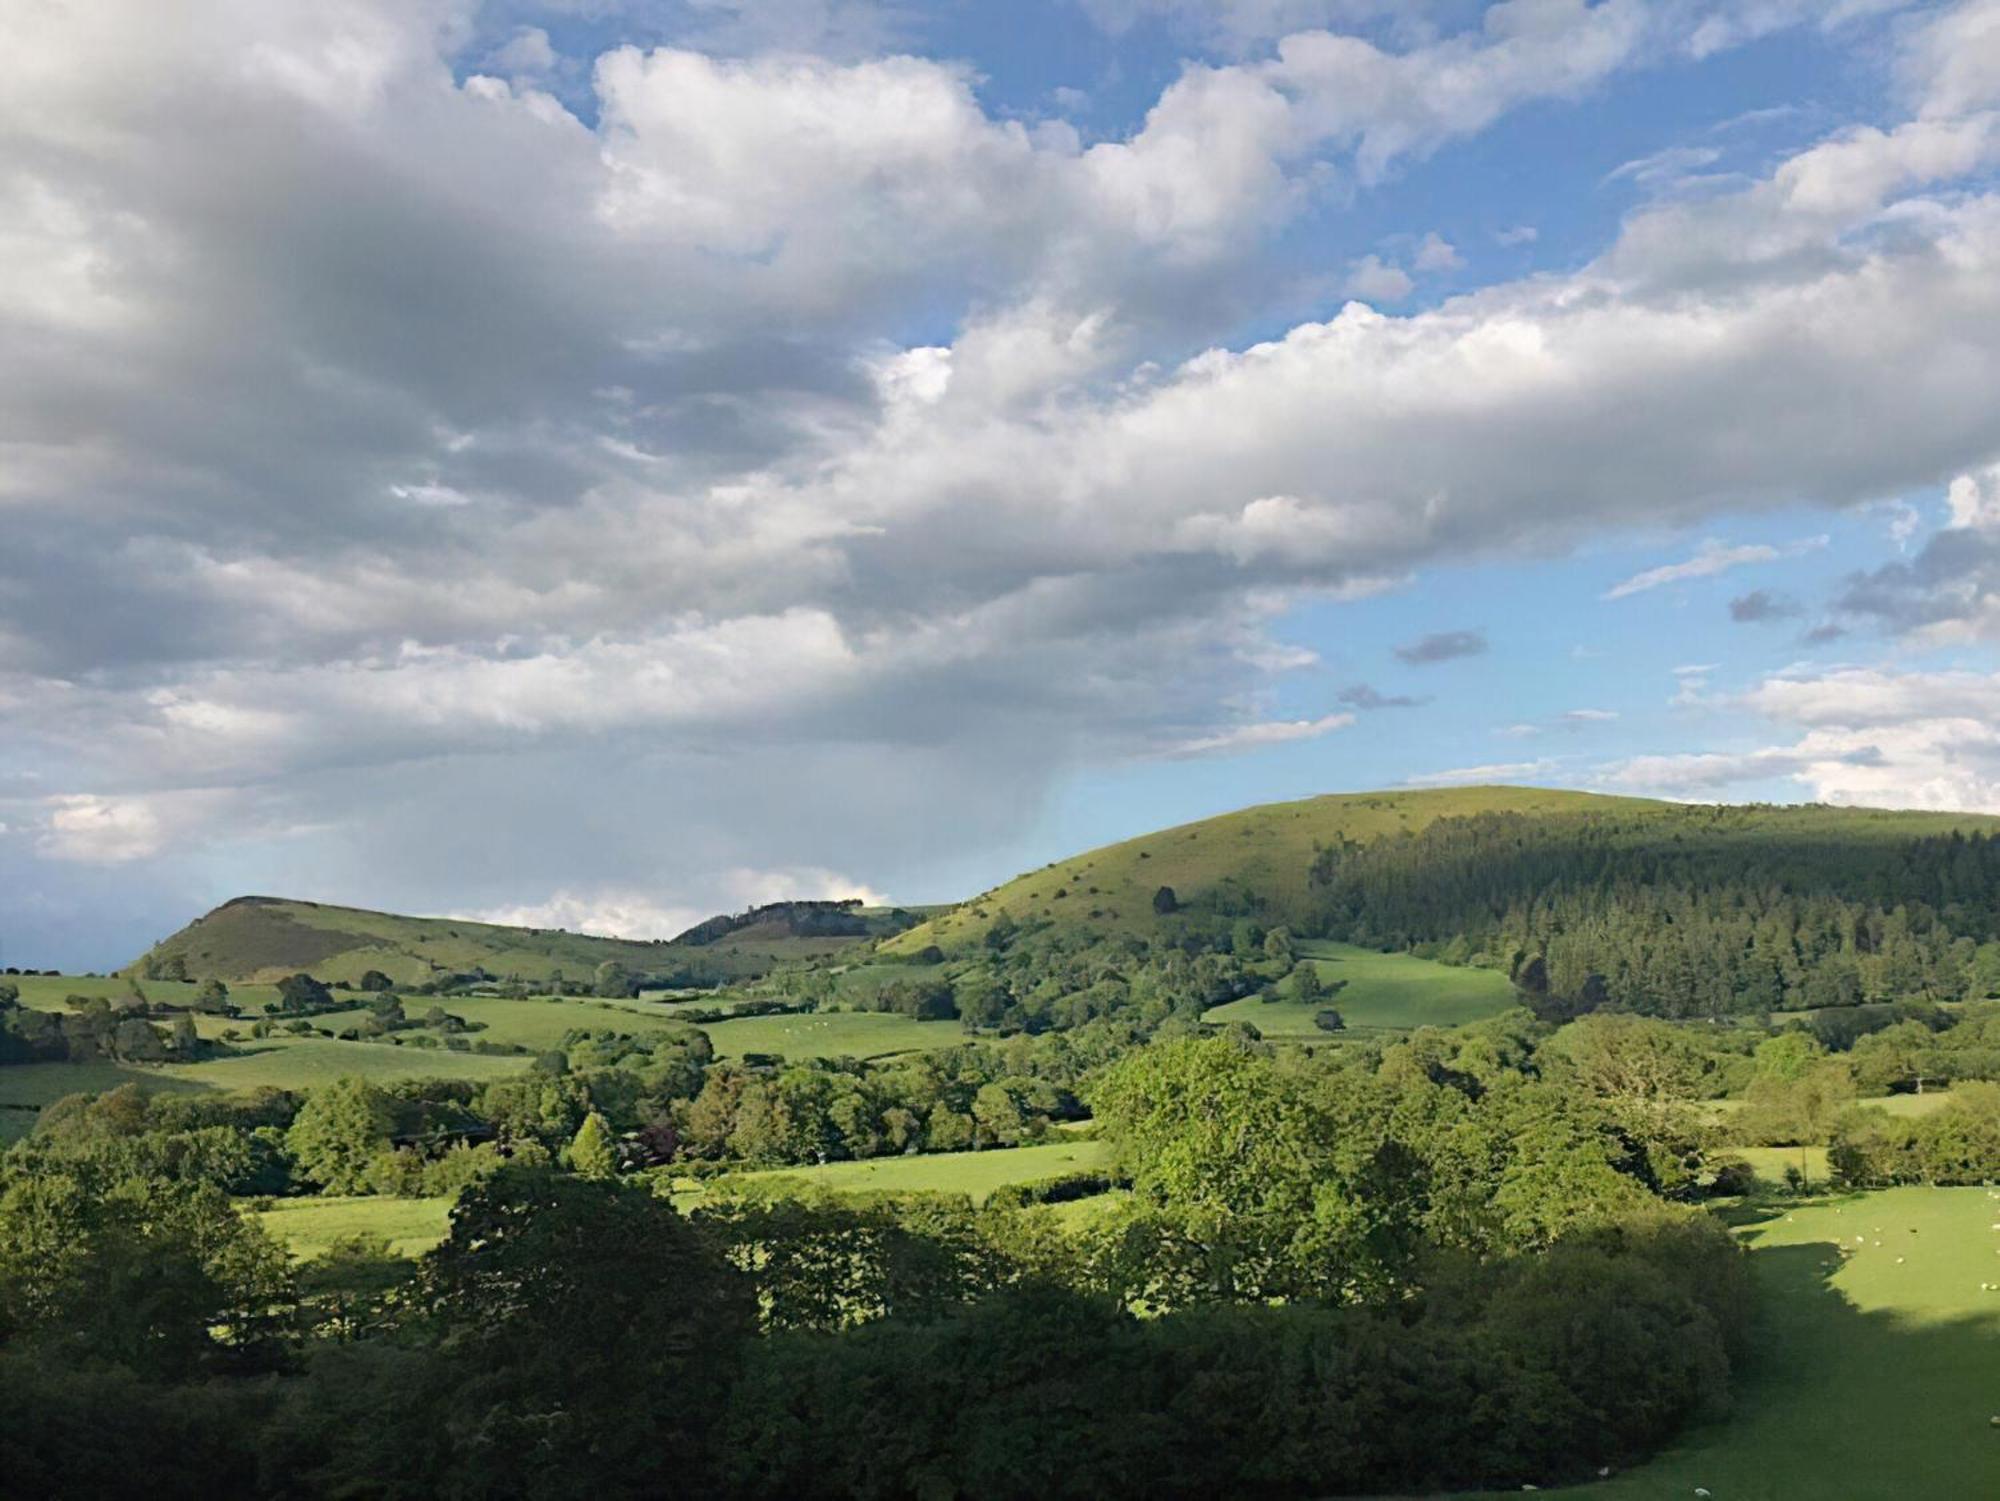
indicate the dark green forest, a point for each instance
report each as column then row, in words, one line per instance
column 1699, row 913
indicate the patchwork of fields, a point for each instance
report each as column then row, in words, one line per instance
column 286, row 1062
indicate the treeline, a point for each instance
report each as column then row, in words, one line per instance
column 838, row 918
column 1958, row 1143
column 1549, row 1366
column 1709, row 912
column 975, row 1095
column 1802, row 1080
column 1043, row 978
column 420, row 1136
column 640, row 1101
column 1449, row 1265
column 96, row 1028
column 951, row 1101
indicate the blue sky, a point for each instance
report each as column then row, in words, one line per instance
column 603, row 463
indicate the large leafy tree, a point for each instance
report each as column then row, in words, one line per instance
column 156, row 1275
column 339, row 1133
column 302, row 992
column 586, row 1325
column 1251, row 1182
column 591, row 1152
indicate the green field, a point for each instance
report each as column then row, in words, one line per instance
column 26, row 1087
column 1911, row 1104
column 302, row 1062
column 49, row 992
column 280, row 1062
column 975, row 1174
column 1382, row 992
column 307, row 1227
column 534, row 1024
column 1894, row 1104
column 1877, row 1364
column 1769, row 1163
column 830, row 1034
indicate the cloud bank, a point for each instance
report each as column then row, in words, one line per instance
column 395, row 449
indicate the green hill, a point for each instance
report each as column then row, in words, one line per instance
column 1675, row 909
column 1267, row 849
column 1256, row 860
column 257, row 938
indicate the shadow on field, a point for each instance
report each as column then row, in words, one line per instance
column 1841, row 1402
column 1838, row 1401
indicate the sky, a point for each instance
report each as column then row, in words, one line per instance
column 599, row 463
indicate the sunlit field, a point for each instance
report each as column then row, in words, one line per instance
column 1378, row 992
column 1876, row 1358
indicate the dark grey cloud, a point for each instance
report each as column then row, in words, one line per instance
column 1442, row 646
column 1761, row 605
column 1362, row 696
column 1954, row 580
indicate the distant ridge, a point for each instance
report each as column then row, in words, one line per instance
column 261, row 938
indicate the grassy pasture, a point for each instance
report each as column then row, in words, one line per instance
column 280, row 1062
column 303, row 1062
column 830, row 1034
column 26, row 1087
column 975, row 1174
column 308, row 1227
column 1911, row 1105
column 1769, row 1163
column 1383, row 992
column 536, row 1024
column 48, row 992
column 1877, row 1364
column 1906, row 1105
